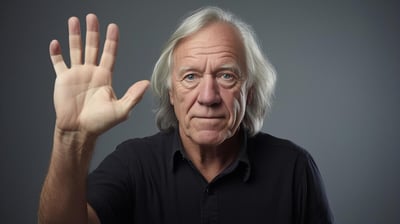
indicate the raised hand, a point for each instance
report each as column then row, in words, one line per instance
column 83, row 96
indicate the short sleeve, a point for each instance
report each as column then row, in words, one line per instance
column 312, row 205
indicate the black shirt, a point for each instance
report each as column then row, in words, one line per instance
column 149, row 180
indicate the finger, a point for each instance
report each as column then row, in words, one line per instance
column 75, row 41
column 133, row 96
column 107, row 60
column 56, row 57
column 92, row 39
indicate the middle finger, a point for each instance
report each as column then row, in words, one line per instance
column 92, row 39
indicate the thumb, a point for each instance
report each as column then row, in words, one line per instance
column 133, row 95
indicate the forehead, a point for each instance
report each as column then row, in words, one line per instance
column 216, row 39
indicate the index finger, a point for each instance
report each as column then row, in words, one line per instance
column 107, row 60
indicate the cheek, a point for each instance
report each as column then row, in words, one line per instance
column 238, row 106
column 182, row 100
column 177, row 95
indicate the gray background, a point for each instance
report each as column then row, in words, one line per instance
column 337, row 93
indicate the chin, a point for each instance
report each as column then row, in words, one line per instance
column 210, row 137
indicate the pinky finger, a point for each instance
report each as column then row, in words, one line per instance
column 56, row 57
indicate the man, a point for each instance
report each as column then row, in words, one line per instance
column 208, row 164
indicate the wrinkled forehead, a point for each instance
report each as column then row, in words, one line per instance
column 212, row 39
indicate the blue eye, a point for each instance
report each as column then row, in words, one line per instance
column 190, row 80
column 227, row 79
column 227, row 76
column 190, row 77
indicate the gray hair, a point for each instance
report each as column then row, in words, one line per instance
column 261, row 76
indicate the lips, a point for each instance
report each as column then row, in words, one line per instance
column 208, row 117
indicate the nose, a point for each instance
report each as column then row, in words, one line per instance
column 209, row 91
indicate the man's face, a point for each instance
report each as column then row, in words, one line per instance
column 208, row 85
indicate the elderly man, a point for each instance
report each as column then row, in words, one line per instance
column 208, row 164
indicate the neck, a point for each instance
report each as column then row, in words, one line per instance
column 211, row 160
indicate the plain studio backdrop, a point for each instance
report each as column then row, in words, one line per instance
column 337, row 92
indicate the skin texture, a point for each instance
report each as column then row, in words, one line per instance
column 86, row 107
column 209, row 95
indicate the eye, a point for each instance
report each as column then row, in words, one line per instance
column 189, row 77
column 227, row 79
column 190, row 80
column 227, row 76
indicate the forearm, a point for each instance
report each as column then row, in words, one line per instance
column 84, row 100
column 63, row 197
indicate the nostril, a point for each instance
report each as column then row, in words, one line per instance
column 209, row 91
column 209, row 100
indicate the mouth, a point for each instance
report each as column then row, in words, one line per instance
column 208, row 117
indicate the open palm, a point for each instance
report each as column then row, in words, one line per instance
column 83, row 96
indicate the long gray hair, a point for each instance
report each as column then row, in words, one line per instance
column 261, row 74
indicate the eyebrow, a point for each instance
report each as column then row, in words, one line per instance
column 230, row 66
column 184, row 69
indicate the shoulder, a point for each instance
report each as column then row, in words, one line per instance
column 269, row 152
column 281, row 161
column 154, row 146
column 266, row 143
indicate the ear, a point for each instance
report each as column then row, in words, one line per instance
column 249, row 96
column 171, row 98
column 170, row 90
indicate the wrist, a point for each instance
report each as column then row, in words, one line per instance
column 74, row 141
column 71, row 155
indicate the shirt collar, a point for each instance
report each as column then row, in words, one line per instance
column 243, row 157
column 178, row 154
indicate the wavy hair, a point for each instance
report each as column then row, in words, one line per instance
column 261, row 76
